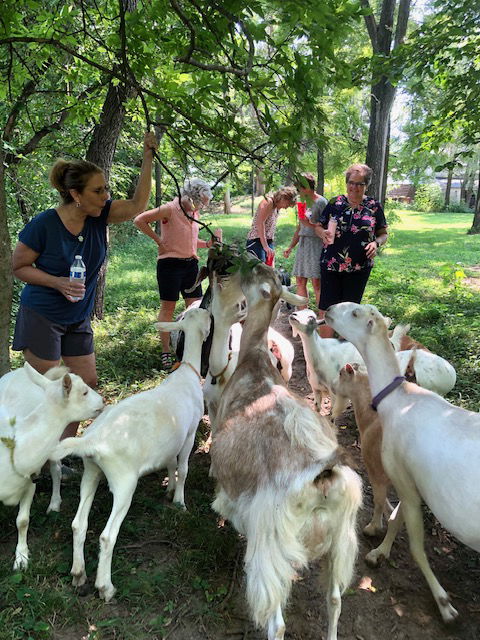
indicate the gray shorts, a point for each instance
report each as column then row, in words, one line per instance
column 49, row 340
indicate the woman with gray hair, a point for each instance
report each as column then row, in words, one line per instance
column 352, row 227
column 177, row 260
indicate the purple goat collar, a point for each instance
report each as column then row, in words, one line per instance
column 396, row 382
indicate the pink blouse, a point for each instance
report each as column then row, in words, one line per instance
column 179, row 234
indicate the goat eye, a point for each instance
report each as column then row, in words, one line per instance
column 85, row 393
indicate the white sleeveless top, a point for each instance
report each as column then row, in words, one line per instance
column 270, row 226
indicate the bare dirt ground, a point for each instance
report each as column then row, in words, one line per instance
column 392, row 602
column 474, row 281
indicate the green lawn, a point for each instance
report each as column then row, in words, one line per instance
column 413, row 281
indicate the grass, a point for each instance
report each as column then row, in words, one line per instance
column 169, row 564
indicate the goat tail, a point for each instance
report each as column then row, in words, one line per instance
column 274, row 552
column 69, row 446
column 305, row 428
column 347, row 493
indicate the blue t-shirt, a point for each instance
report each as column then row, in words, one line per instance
column 47, row 235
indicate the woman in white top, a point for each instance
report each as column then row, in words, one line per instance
column 260, row 238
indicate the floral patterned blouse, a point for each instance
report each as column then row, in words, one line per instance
column 356, row 227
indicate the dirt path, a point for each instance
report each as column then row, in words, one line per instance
column 398, row 605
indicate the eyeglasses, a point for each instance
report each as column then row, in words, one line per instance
column 356, row 184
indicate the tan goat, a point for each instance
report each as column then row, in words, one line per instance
column 352, row 382
column 280, row 482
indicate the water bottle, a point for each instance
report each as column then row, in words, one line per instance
column 77, row 273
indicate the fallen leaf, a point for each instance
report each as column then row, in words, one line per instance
column 366, row 584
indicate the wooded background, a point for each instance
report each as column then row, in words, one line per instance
column 244, row 93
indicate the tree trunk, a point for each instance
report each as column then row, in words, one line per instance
column 259, row 183
column 448, row 188
column 381, row 102
column 6, row 278
column 475, row 228
column 382, row 92
column 101, row 152
column 227, row 205
column 320, row 172
column 383, row 195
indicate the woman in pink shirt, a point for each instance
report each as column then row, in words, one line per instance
column 177, row 262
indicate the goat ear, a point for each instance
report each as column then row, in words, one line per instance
column 388, row 321
column 35, row 376
column 294, row 330
column 292, row 298
column 168, row 326
column 66, row 385
column 265, row 290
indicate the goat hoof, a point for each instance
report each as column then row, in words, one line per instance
column 447, row 611
column 85, row 590
column 79, row 580
column 106, row 593
column 180, row 505
column 21, row 563
column 374, row 559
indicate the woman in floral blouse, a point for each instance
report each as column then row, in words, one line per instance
column 352, row 228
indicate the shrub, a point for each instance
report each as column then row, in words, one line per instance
column 458, row 207
column 429, row 197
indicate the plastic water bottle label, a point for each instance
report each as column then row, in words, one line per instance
column 77, row 274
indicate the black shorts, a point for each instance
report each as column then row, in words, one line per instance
column 175, row 275
column 341, row 287
column 49, row 340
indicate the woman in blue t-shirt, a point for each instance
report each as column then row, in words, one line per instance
column 50, row 325
column 352, row 227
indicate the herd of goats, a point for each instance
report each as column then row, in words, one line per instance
column 281, row 479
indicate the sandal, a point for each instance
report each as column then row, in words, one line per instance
column 166, row 361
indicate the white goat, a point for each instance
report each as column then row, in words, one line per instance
column 352, row 383
column 27, row 442
column 20, row 395
column 324, row 357
column 427, row 369
column 430, row 448
column 279, row 479
column 151, row 430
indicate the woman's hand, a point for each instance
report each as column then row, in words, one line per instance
column 371, row 249
column 321, row 232
column 149, row 142
column 270, row 254
column 70, row 289
column 287, row 252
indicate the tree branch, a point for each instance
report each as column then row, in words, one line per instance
column 402, row 22
column 27, row 91
column 176, row 7
column 371, row 25
column 127, row 80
